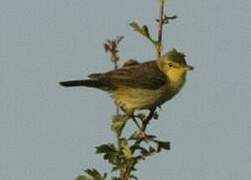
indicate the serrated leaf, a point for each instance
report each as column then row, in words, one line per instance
column 92, row 174
column 83, row 177
column 145, row 152
column 151, row 137
column 162, row 145
column 133, row 177
column 152, row 150
column 135, row 147
column 109, row 152
column 106, row 148
column 140, row 158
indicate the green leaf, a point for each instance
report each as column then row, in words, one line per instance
column 162, row 145
column 140, row 157
column 106, row 148
column 83, row 177
column 115, row 178
column 152, row 150
column 142, row 30
column 144, row 151
column 109, row 152
column 135, row 147
column 167, row 19
column 145, row 31
column 123, row 141
column 135, row 26
column 127, row 153
column 93, row 174
column 151, row 137
column 133, row 177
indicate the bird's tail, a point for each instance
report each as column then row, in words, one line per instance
column 88, row 83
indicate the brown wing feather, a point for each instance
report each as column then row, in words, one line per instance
column 145, row 75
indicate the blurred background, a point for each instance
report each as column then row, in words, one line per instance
column 48, row 132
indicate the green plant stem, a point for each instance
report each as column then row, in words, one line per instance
column 118, row 134
column 115, row 68
column 127, row 172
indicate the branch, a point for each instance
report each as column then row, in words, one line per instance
column 111, row 46
column 160, row 27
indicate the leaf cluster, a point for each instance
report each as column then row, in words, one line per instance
column 92, row 174
column 130, row 153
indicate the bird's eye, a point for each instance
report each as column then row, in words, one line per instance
column 170, row 64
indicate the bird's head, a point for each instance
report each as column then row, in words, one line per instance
column 174, row 65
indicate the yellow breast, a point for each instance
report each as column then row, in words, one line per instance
column 137, row 98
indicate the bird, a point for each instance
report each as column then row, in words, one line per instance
column 141, row 86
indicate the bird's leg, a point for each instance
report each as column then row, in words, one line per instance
column 135, row 121
column 146, row 121
column 130, row 114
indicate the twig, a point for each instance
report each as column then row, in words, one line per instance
column 160, row 27
column 111, row 46
column 117, row 106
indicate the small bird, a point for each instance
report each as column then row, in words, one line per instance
column 138, row 86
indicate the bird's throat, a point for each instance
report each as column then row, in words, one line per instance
column 176, row 78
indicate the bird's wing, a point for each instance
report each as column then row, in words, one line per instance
column 139, row 75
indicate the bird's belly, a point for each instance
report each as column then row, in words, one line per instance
column 135, row 98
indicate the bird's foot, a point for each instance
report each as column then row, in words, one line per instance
column 142, row 135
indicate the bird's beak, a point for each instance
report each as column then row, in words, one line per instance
column 189, row 68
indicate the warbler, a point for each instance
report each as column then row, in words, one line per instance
column 138, row 86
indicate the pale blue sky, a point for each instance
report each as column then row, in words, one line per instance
column 48, row 132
